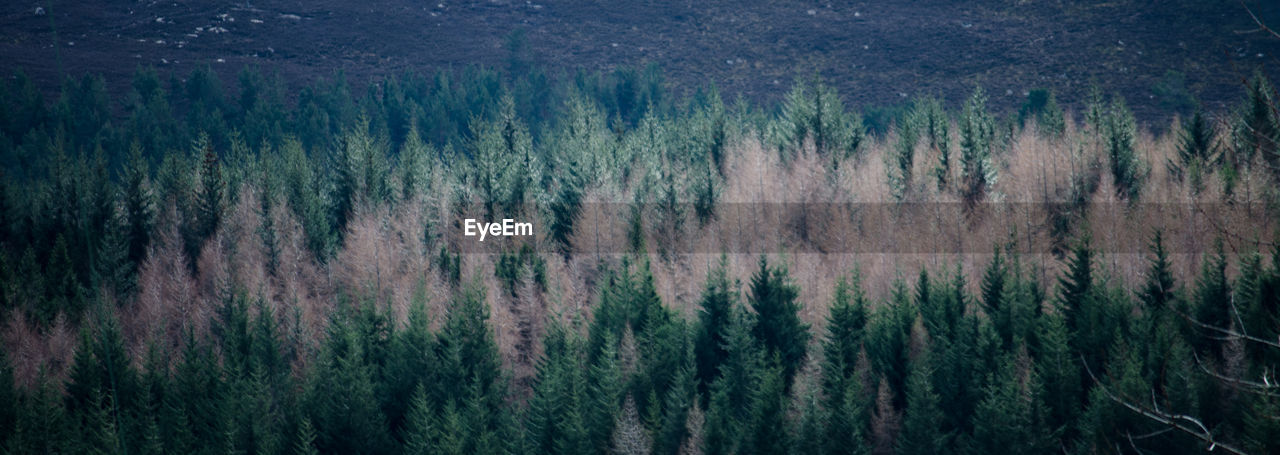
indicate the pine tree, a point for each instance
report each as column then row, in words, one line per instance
column 139, row 206
column 922, row 431
column 1256, row 129
column 731, row 393
column 677, row 402
column 977, row 136
column 341, row 398
column 1213, row 295
column 767, row 432
column 993, row 293
column 555, row 418
column 778, row 327
column 1127, row 171
column 607, row 383
column 1158, row 292
column 1010, row 417
column 209, row 199
column 1198, row 153
column 1057, row 365
column 305, row 444
column 847, row 421
column 719, row 298
column 420, row 432
column 846, row 325
column 1076, row 286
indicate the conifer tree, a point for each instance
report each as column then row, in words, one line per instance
column 1256, row 129
column 1158, row 292
column 1010, row 417
column 767, row 432
column 1127, row 171
column 139, row 206
column 209, row 198
column 846, row 325
column 420, row 432
column 778, row 327
column 305, row 444
column 717, row 305
column 922, row 425
column 1198, row 152
column 607, row 385
column 993, row 293
column 341, row 399
column 977, row 136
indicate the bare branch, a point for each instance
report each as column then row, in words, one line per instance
column 1232, row 334
column 1261, row 26
column 1180, row 422
column 1261, row 388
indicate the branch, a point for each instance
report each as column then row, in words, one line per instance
column 1262, row 388
column 1231, row 333
column 1261, row 26
column 1180, row 422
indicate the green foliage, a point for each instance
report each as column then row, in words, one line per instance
column 1042, row 106
column 1255, row 131
column 813, row 114
column 977, row 142
column 1198, row 153
column 778, row 327
column 1127, row 171
column 922, row 431
column 514, row 266
column 716, row 311
column 995, row 370
column 1172, row 92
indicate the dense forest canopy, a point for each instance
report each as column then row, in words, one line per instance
column 208, row 266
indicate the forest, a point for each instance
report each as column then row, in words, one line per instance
column 199, row 266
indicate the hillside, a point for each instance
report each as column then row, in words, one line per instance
column 876, row 53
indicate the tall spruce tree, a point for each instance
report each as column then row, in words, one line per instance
column 778, row 327
column 719, row 299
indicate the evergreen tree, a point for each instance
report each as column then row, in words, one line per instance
column 993, row 293
column 1076, row 286
column 778, row 327
column 1198, row 153
column 341, row 399
column 1010, row 418
column 767, row 432
column 1256, row 129
column 305, row 444
column 922, row 425
column 717, row 305
column 1057, row 365
column 420, row 431
column 1158, row 292
column 1127, row 172
column 977, row 136
column 1213, row 296
column 555, row 419
column 139, row 206
column 846, row 325
column 847, row 421
column 732, row 391
column 607, row 385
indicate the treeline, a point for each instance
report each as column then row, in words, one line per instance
column 933, row 369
